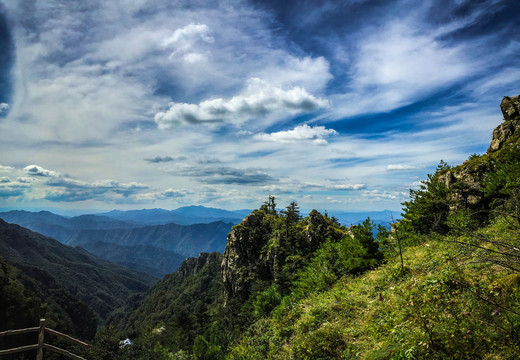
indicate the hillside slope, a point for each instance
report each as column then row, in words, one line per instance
column 101, row 285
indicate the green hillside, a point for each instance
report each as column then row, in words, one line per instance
column 79, row 288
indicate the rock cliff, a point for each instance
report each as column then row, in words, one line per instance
column 263, row 249
column 244, row 261
column 465, row 181
column 511, row 110
column 191, row 266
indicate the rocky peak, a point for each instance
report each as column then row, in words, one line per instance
column 510, row 107
column 316, row 229
column 191, row 266
column 464, row 181
column 243, row 258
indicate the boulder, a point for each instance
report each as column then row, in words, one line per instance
column 511, row 110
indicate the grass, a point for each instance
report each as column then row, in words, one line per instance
column 444, row 304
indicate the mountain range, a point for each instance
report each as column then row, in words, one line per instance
column 72, row 282
column 137, row 239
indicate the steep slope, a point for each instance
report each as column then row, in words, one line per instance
column 438, row 307
column 26, row 298
column 181, row 299
column 101, row 285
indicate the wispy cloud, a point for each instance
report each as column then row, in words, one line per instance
column 404, row 167
column 4, row 168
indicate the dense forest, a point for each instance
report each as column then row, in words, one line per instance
column 442, row 282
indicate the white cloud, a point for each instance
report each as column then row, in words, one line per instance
column 400, row 56
column 183, row 42
column 403, row 167
column 35, row 170
column 416, row 184
column 316, row 134
column 4, row 179
column 4, row 107
column 349, row 186
column 6, row 168
column 381, row 194
column 183, row 38
column 259, row 100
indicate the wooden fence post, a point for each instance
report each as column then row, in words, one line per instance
column 41, row 337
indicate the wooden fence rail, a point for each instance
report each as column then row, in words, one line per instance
column 41, row 330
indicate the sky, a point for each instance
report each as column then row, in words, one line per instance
column 337, row 105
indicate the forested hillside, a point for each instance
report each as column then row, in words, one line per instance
column 442, row 283
column 44, row 278
column 154, row 249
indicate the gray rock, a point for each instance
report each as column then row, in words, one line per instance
column 511, row 110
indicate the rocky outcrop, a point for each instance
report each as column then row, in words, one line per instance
column 193, row 265
column 511, row 110
column 244, row 262
column 464, row 184
column 464, row 181
column 256, row 252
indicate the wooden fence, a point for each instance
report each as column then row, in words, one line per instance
column 41, row 330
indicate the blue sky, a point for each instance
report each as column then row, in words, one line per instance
column 338, row 105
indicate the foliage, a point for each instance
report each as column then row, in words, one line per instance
column 266, row 301
column 428, row 207
column 351, row 255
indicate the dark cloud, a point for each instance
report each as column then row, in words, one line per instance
column 6, row 60
column 12, row 189
column 10, row 192
column 75, row 190
column 229, row 175
column 69, row 196
column 208, row 161
column 161, row 159
column 35, row 170
column 172, row 194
